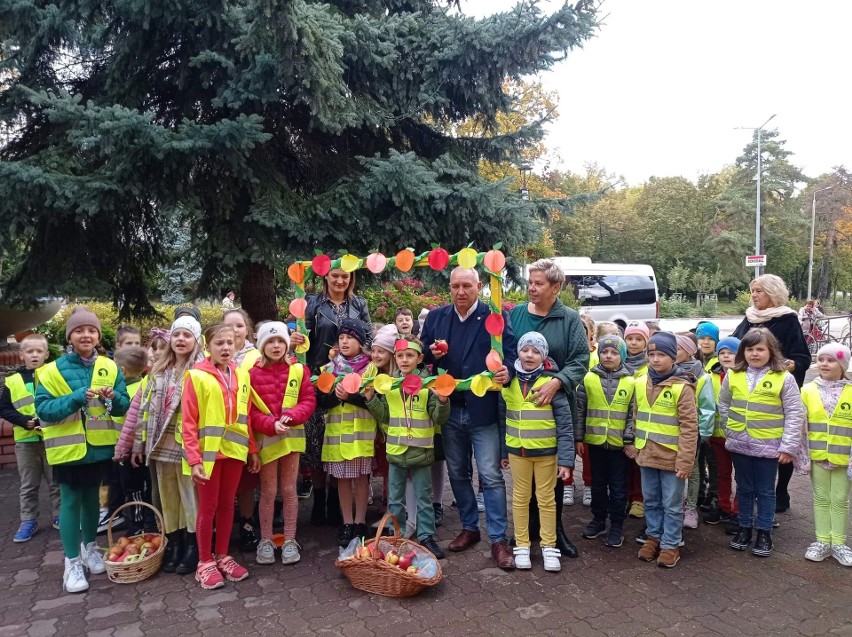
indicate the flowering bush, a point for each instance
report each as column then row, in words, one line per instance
column 384, row 300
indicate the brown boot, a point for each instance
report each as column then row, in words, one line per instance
column 669, row 557
column 649, row 549
column 464, row 540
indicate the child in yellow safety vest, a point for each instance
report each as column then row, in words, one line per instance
column 218, row 443
column 539, row 443
column 282, row 401
column 605, row 412
column 761, row 410
column 411, row 417
column 666, row 438
column 17, row 405
column 76, row 399
column 636, row 336
column 828, row 405
column 350, row 432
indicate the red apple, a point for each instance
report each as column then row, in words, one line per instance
column 392, row 558
column 441, row 346
column 405, row 561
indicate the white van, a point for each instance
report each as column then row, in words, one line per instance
column 617, row 292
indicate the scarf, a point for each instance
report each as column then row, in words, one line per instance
column 755, row 316
column 635, row 361
column 656, row 378
column 527, row 377
column 164, row 397
column 340, row 364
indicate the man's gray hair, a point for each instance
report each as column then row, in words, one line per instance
column 552, row 272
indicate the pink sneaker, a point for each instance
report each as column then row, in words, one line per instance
column 230, row 569
column 209, row 576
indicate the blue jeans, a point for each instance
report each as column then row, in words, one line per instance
column 460, row 434
column 663, row 494
column 755, row 480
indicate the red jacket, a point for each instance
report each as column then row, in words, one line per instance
column 189, row 408
column 269, row 384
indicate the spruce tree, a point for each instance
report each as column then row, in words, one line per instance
column 270, row 128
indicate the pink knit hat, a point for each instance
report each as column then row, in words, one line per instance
column 386, row 337
column 637, row 327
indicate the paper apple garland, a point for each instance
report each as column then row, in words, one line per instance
column 376, row 262
column 325, row 382
column 321, row 265
column 297, row 307
column 404, row 260
column 411, row 384
column 349, row 263
column 494, row 261
column 467, row 258
column 351, row 383
column 439, row 259
column 494, row 324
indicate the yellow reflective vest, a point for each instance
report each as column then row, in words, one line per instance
column 658, row 421
column 594, row 359
column 829, row 437
column 65, row 440
column 24, row 402
column 132, row 390
column 349, row 433
column 278, row 446
column 605, row 421
column 251, row 357
column 760, row 412
column 710, row 363
column 718, row 429
column 528, row 426
column 409, row 424
column 215, row 434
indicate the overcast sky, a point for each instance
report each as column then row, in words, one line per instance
column 661, row 88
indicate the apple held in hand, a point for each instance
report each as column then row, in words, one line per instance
column 441, row 346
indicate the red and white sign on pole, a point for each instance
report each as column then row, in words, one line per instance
column 755, row 260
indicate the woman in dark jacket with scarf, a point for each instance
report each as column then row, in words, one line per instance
column 769, row 296
column 323, row 315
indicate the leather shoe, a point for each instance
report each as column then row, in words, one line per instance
column 502, row 554
column 465, row 540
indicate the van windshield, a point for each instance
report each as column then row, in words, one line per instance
column 613, row 289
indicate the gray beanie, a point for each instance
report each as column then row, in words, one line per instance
column 80, row 316
column 536, row 340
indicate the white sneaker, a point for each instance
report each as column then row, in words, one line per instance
column 568, row 495
column 842, row 554
column 290, row 552
column 551, row 559
column 92, row 558
column 690, row 519
column 587, row 496
column 522, row 557
column 818, row 551
column 480, row 502
column 265, row 552
column 74, row 578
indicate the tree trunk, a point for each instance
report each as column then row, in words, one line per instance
column 827, row 252
column 257, row 292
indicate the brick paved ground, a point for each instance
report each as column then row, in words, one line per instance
column 713, row 590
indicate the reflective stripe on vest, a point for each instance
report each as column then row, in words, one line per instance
column 215, row 434
column 278, row 446
column 528, row 426
column 829, row 437
column 759, row 413
column 718, row 429
column 416, row 430
column 65, row 441
column 658, row 422
column 349, row 433
column 24, row 402
column 605, row 421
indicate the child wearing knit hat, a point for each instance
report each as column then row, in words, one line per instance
column 539, row 445
column 77, row 396
column 636, row 337
column 605, row 411
column 666, row 439
column 707, row 334
column 828, row 406
column 721, row 482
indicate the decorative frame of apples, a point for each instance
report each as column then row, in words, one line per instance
column 492, row 261
column 132, row 549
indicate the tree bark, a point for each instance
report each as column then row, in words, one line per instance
column 257, row 292
column 827, row 253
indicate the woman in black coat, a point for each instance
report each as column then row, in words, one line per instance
column 769, row 296
column 323, row 315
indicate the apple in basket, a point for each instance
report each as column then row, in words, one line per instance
column 405, row 560
column 375, row 551
column 412, row 569
column 392, row 557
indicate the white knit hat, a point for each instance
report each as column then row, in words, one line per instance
column 189, row 324
column 838, row 352
column 270, row 329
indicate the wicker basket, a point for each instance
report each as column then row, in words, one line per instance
column 375, row 575
column 131, row 572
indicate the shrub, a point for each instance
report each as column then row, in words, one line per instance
column 708, row 309
column 675, row 308
column 383, row 300
column 742, row 301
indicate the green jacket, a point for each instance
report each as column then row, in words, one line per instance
column 567, row 344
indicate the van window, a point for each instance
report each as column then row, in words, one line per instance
column 613, row 289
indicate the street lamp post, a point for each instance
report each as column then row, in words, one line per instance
column 525, row 193
column 811, row 255
column 758, row 130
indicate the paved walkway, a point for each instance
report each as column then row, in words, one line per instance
column 713, row 590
